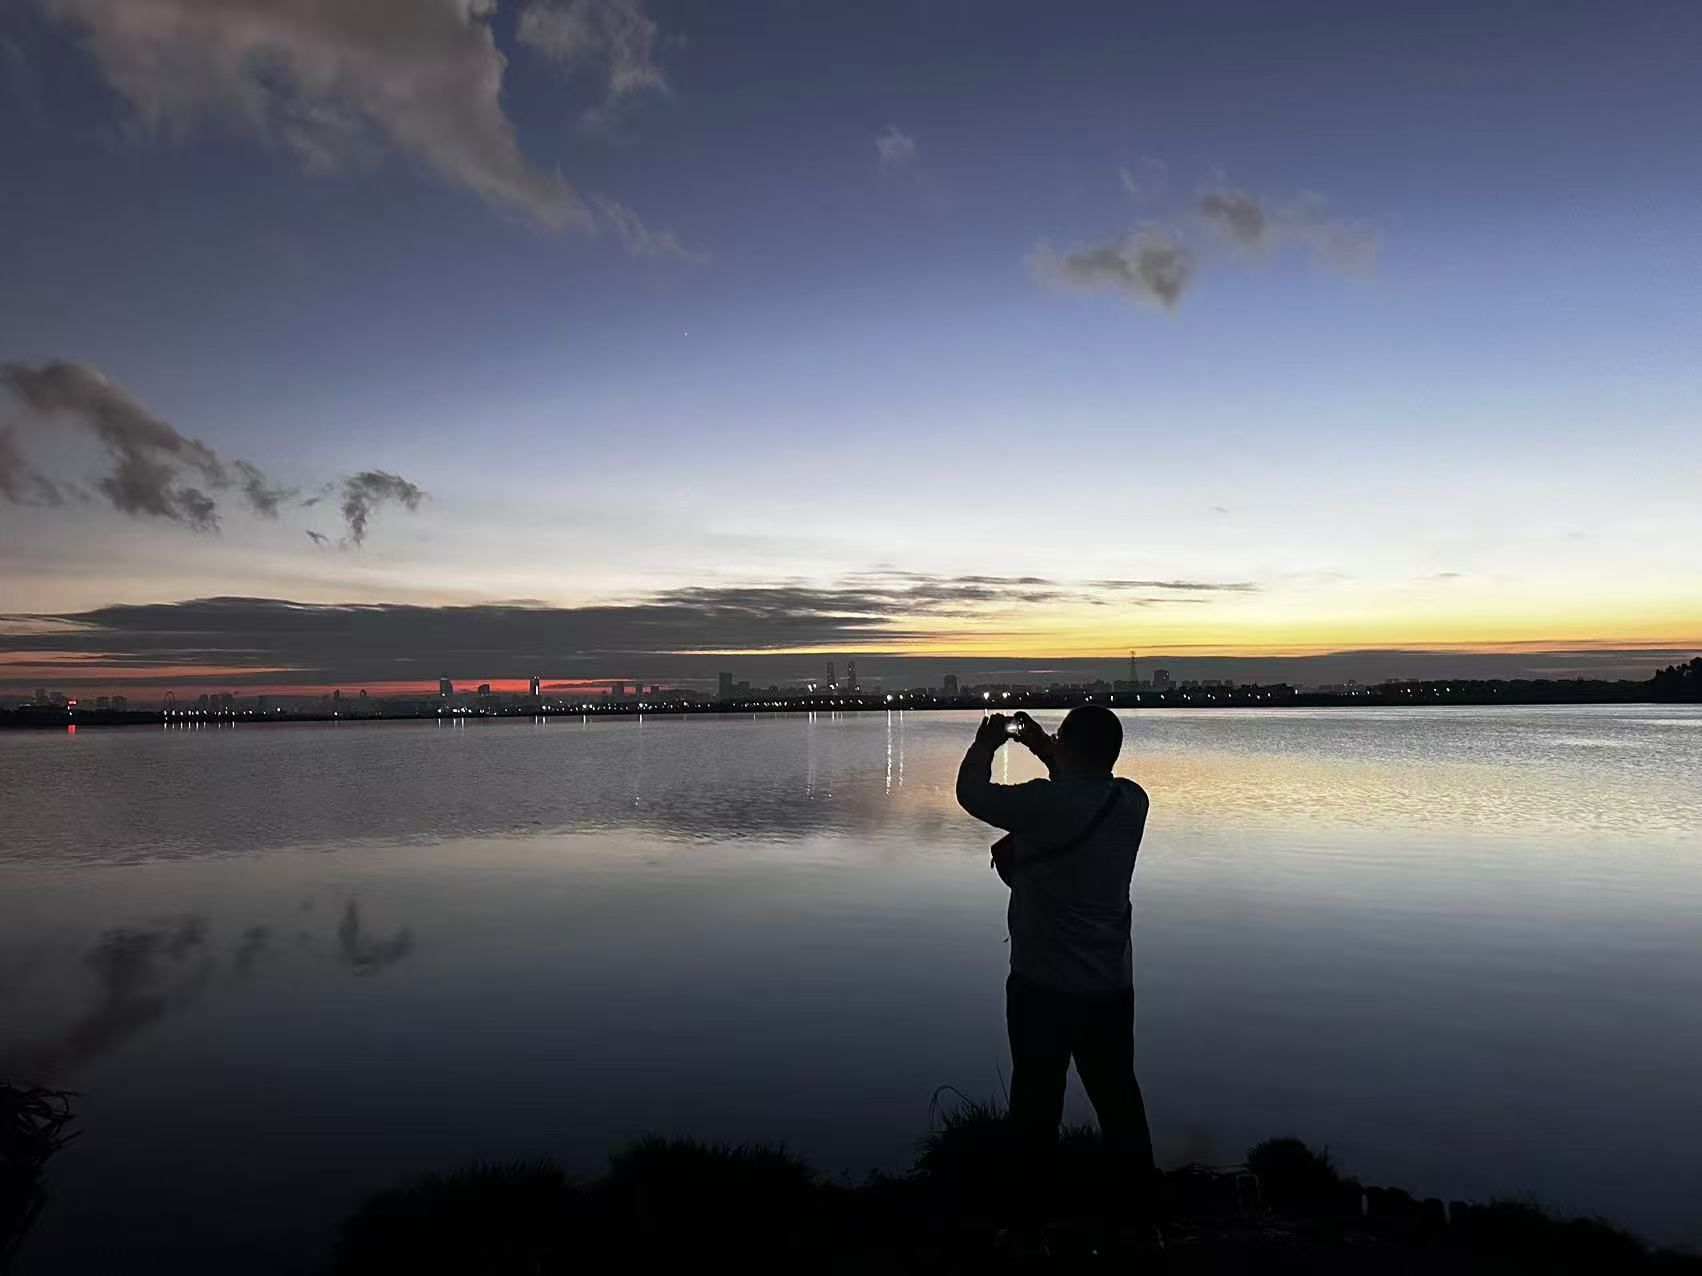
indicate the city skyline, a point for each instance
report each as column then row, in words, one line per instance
column 659, row 335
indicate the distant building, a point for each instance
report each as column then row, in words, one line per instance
column 724, row 686
column 831, row 681
column 121, row 704
column 1161, row 680
column 41, row 695
column 103, row 702
column 617, row 691
column 445, row 688
column 851, row 675
column 949, row 685
column 535, row 688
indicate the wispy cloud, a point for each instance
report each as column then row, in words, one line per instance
column 328, row 82
column 1262, row 225
column 895, row 150
column 611, row 38
column 1157, row 263
column 155, row 470
column 640, row 239
column 1149, row 266
column 366, row 493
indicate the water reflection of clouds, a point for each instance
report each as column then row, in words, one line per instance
column 140, row 975
column 366, row 953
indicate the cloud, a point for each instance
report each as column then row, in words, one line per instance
column 326, row 80
column 895, row 150
column 614, row 37
column 1238, row 216
column 368, row 492
column 20, row 482
column 1185, row 586
column 313, row 643
column 1259, row 226
column 1146, row 180
column 155, row 471
column 1157, row 265
column 258, row 491
column 640, row 240
column 259, row 642
column 1150, row 266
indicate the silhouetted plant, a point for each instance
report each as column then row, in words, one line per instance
column 673, row 1196
column 32, row 1129
column 518, row 1218
column 1296, row 1179
column 673, row 1204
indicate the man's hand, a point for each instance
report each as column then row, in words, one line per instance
column 993, row 731
column 1034, row 736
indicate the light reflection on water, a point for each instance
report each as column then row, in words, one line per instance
column 285, row 964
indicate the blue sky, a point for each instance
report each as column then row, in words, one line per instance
column 648, row 307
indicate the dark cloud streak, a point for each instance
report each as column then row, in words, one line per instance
column 368, row 492
column 317, row 643
column 1146, row 265
column 156, row 470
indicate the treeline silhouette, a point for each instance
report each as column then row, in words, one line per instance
column 1679, row 682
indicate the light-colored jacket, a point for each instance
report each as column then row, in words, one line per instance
column 1069, row 916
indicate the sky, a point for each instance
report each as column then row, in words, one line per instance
column 614, row 338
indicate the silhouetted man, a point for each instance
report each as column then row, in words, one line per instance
column 1069, row 859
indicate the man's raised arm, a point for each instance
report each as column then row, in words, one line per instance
column 1006, row 806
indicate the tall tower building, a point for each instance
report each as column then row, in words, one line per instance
column 1161, row 679
column 949, row 685
column 723, row 686
column 445, row 688
column 1134, row 670
column 851, row 676
column 830, row 680
column 535, row 687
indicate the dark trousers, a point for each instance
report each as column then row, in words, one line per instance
column 1049, row 1028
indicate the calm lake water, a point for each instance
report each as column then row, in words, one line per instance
column 286, row 965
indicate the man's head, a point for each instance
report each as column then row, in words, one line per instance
column 1090, row 739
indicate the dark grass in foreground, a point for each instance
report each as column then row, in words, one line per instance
column 681, row 1205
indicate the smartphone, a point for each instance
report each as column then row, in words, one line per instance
column 1014, row 727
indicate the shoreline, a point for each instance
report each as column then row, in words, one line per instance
column 1498, row 693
